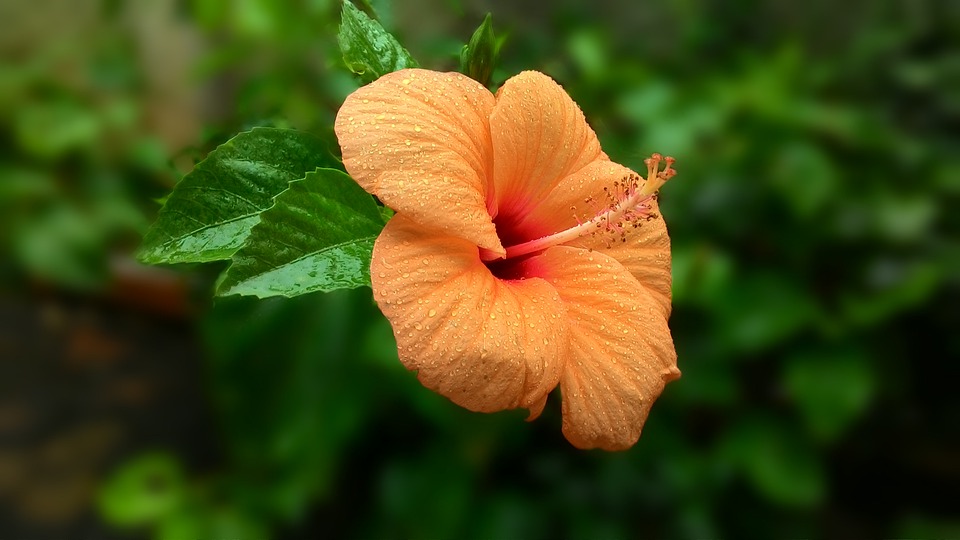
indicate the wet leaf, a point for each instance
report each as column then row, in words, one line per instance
column 317, row 237
column 213, row 208
column 368, row 49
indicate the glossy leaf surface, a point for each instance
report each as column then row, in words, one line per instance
column 317, row 237
column 368, row 49
column 211, row 211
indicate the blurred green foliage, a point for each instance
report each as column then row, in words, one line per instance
column 815, row 243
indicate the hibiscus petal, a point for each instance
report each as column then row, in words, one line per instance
column 579, row 198
column 539, row 137
column 485, row 343
column 575, row 198
column 621, row 352
column 420, row 141
column 645, row 253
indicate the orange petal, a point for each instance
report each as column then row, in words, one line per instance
column 487, row 344
column 574, row 198
column 580, row 196
column 420, row 141
column 645, row 254
column 621, row 353
column 539, row 137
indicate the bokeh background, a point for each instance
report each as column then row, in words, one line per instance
column 816, row 282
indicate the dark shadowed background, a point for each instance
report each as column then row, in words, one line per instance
column 816, row 282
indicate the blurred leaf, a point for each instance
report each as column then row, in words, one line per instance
column 211, row 211
column 427, row 497
column 706, row 381
column 647, row 103
column 896, row 285
column 757, row 311
column 205, row 522
column 805, row 176
column 369, row 50
column 947, row 177
column 51, row 129
column 510, row 516
column 261, row 18
column 700, row 273
column 209, row 13
column 479, row 56
column 914, row 525
column 62, row 245
column 21, row 185
column 779, row 464
column 902, row 218
column 590, row 51
column 318, row 236
column 299, row 357
column 831, row 388
column 143, row 491
column 150, row 154
column 15, row 79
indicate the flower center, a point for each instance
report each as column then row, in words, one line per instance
column 627, row 207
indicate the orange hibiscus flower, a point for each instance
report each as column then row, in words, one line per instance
column 520, row 257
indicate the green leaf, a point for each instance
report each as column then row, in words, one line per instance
column 368, row 49
column 317, row 237
column 50, row 130
column 211, row 520
column 143, row 491
column 212, row 210
column 479, row 56
column 780, row 464
column 761, row 309
column 831, row 388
